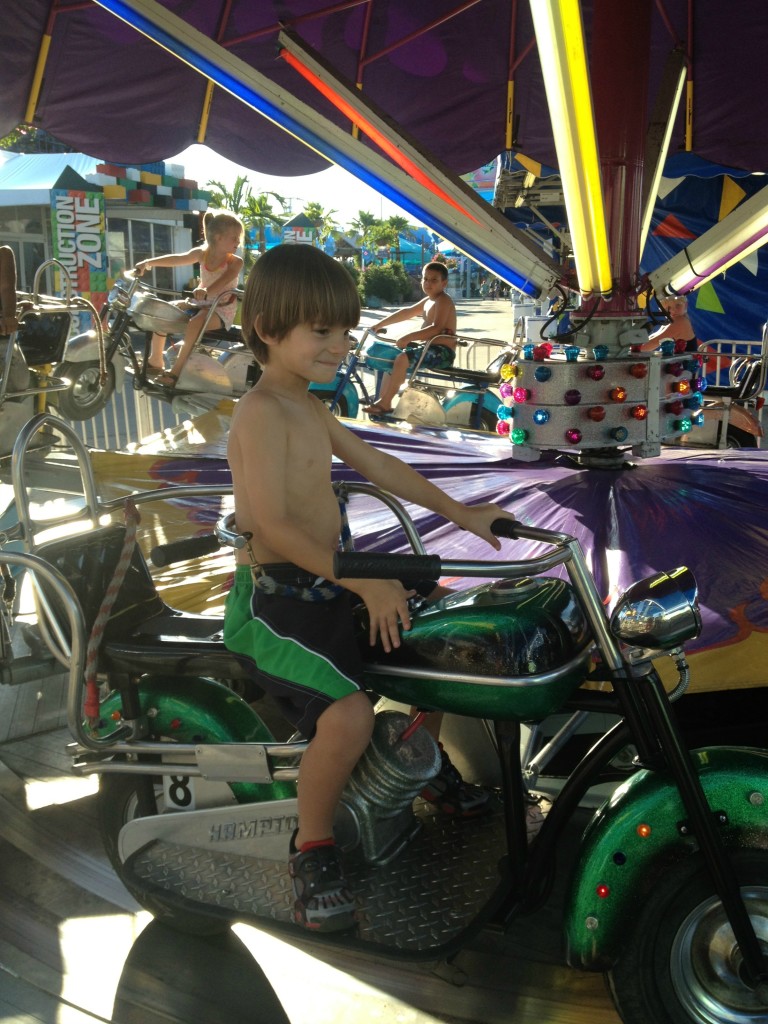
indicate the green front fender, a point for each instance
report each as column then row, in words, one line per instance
column 198, row 710
column 642, row 829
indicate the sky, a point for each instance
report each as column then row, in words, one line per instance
column 335, row 188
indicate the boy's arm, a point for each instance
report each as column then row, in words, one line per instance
column 173, row 259
column 402, row 480
column 417, row 309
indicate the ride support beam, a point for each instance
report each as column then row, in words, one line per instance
column 620, row 57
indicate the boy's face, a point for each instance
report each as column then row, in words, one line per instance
column 432, row 282
column 309, row 351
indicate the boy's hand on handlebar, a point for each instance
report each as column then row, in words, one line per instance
column 478, row 518
column 387, row 604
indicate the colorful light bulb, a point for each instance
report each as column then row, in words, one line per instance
column 675, row 369
column 503, row 427
column 572, row 397
column 519, row 435
column 639, row 412
column 540, row 353
column 675, row 407
column 541, row 416
column 596, row 372
column 596, row 413
column 681, row 387
column 528, row 351
column 521, row 394
column 572, row 353
column 600, row 352
column 667, row 348
column 639, row 370
column 504, row 413
column 683, row 426
column 618, row 394
column 694, row 401
column 507, row 371
column 573, row 435
column 542, row 373
column 506, row 389
column 619, row 434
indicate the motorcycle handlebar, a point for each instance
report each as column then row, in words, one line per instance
column 182, row 550
column 370, row 565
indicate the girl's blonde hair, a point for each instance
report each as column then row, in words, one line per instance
column 216, row 222
column 296, row 284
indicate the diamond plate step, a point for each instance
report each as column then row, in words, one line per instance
column 422, row 900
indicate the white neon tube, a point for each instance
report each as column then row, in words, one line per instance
column 736, row 236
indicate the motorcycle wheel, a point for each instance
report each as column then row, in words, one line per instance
column 117, row 804
column 85, row 396
column 737, row 438
column 326, row 397
column 681, row 965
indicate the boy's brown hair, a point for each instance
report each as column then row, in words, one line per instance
column 439, row 267
column 296, row 284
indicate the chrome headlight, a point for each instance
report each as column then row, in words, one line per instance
column 659, row 612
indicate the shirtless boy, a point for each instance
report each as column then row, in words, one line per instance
column 298, row 309
column 438, row 314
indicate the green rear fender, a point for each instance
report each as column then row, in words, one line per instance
column 198, row 710
column 640, row 831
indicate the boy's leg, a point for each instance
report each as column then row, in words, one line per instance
column 343, row 732
column 448, row 791
column 323, row 901
column 191, row 333
column 156, row 350
column 391, row 384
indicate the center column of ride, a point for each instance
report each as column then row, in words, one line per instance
column 591, row 389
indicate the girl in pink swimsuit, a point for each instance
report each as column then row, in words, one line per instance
column 220, row 268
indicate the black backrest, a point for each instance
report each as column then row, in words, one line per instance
column 88, row 563
column 42, row 337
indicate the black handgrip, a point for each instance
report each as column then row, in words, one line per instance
column 369, row 565
column 505, row 528
column 181, row 550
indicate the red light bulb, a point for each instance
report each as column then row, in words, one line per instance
column 618, row 394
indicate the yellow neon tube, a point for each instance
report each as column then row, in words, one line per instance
column 37, row 81
column 560, row 39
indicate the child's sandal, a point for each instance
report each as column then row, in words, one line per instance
column 167, row 379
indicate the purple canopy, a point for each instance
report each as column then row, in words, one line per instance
column 439, row 73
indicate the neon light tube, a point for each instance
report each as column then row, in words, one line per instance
column 736, row 236
column 489, row 241
column 676, row 92
column 374, row 134
column 560, row 39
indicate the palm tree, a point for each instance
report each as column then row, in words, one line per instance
column 235, row 199
column 258, row 214
column 322, row 219
column 363, row 223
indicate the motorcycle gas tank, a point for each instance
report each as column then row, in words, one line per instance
column 152, row 314
column 508, row 649
column 229, row 373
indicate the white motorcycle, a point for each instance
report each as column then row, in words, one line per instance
column 220, row 366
